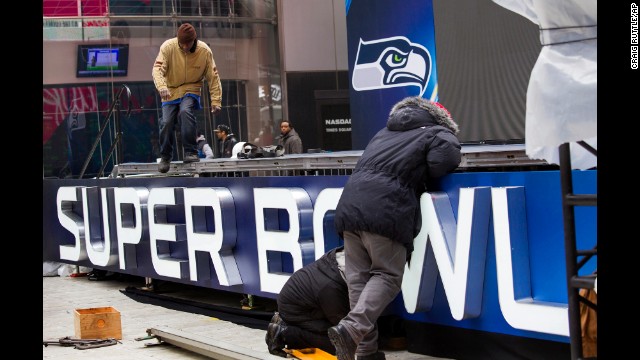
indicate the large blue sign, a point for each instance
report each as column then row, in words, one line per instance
column 391, row 46
column 489, row 256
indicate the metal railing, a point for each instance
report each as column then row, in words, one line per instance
column 114, row 110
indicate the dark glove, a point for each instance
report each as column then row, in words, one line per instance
column 201, row 144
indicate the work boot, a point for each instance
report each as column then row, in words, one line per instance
column 344, row 344
column 375, row 356
column 189, row 158
column 163, row 165
column 275, row 339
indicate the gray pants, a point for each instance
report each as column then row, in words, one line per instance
column 374, row 269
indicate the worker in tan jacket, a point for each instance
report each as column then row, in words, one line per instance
column 178, row 73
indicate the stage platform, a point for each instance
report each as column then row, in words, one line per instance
column 474, row 158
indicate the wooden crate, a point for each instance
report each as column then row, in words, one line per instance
column 98, row 323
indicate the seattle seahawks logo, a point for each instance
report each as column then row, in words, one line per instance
column 391, row 62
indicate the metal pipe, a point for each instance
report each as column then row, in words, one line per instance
column 215, row 349
column 114, row 105
column 234, row 19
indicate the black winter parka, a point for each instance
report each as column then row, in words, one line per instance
column 383, row 192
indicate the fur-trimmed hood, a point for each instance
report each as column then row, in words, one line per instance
column 415, row 111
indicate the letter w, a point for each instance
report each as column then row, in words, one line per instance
column 459, row 252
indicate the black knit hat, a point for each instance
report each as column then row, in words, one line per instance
column 224, row 128
column 186, row 33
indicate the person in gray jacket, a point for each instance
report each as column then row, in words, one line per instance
column 378, row 214
column 204, row 150
column 289, row 138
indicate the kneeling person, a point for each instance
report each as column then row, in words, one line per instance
column 313, row 299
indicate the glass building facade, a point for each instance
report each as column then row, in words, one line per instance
column 80, row 108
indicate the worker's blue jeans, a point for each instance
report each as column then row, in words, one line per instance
column 178, row 116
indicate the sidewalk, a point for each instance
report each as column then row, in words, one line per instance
column 62, row 295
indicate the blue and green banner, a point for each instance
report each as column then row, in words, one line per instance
column 391, row 47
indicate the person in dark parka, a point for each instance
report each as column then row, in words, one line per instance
column 313, row 299
column 378, row 214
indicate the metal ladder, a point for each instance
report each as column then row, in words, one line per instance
column 575, row 258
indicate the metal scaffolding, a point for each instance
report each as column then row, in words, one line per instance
column 575, row 258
